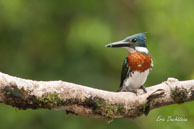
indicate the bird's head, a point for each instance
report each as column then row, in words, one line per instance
column 136, row 42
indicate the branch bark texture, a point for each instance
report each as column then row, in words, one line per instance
column 78, row 99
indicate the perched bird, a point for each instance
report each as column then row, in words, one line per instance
column 137, row 65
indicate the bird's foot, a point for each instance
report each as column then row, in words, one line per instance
column 130, row 90
column 133, row 91
column 127, row 90
column 143, row 88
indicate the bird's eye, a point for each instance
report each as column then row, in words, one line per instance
column 134, row 40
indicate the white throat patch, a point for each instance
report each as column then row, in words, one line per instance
column 142, row 49
column 130, row 50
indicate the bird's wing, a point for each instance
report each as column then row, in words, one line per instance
column 125, row 72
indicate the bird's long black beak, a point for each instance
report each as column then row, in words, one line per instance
column 119, row 44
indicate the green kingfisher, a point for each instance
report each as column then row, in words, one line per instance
column 137, row 65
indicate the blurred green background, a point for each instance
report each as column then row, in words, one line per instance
column 64, row 40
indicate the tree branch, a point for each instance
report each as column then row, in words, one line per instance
column 77, row 99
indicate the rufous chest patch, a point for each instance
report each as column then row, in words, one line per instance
column 139, row 62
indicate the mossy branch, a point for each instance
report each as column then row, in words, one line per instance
column 77, row 99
